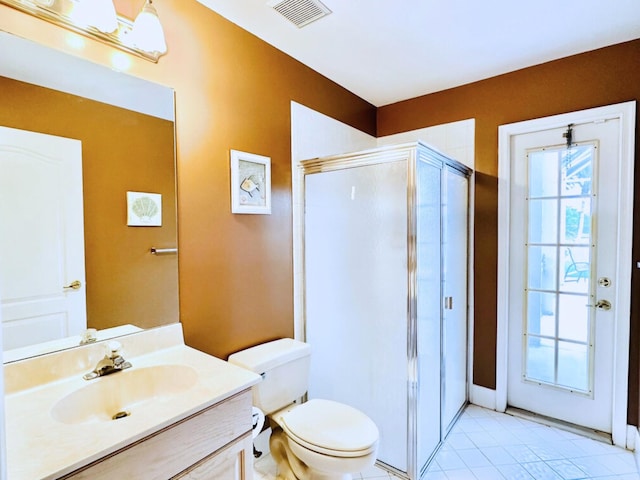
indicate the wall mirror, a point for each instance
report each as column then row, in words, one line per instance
column 126, row 127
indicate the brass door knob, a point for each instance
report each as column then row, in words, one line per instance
column 602, row 305
column 75, row 285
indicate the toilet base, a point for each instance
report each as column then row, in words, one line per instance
column 290, row 467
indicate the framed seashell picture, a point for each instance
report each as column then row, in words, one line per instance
column 250, row 183
column 144, row 209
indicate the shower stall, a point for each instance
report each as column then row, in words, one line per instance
column 386, row 260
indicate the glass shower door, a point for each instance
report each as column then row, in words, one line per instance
column 428, row 301
column 455, row 221
column 356, row 295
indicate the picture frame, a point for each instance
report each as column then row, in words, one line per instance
column 144, row 209
column 250, row 183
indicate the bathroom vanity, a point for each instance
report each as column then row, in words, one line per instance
column 213, row 443
column 176, row 413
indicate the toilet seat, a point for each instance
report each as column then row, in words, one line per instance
column 331, row 428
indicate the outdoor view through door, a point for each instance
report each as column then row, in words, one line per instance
column 558, row 336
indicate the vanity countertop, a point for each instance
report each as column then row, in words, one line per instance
column 41, row 447
column 64, row 343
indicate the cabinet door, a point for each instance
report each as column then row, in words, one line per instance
column 454, row 317
column 232, row 463
column 172, row 451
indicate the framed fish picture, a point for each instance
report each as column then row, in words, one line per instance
column 250, row 183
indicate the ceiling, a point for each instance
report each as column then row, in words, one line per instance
column 390, row 50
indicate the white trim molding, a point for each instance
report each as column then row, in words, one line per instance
column 632, row 439
column 482, row 396
column 626, row 113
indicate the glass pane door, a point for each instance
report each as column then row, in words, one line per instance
column 558, row 333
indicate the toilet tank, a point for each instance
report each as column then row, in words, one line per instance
column 284, row 366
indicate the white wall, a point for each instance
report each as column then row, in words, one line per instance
column 456, row 139
column 313, row 135
column 3, row 451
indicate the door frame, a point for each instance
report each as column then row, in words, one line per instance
column 626, row 113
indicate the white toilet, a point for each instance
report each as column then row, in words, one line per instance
column 316, row 440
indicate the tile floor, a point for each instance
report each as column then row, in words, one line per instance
column 486, row 445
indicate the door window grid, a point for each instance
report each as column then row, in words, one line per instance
column 558, row 334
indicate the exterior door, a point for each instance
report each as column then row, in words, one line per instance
column 563, row 273
column 42, row 238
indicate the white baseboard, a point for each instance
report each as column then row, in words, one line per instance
column 632, row 433
column 482, row 396
column 636, row 443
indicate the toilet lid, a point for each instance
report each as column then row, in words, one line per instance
column 331, row 428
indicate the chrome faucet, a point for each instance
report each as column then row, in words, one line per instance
column 112, row 362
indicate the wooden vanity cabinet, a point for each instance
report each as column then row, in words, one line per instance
column 228, row 464
column 213, row 443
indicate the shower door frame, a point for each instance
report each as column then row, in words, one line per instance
column 411, row 153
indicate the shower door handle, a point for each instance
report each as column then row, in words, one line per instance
column 448, row 303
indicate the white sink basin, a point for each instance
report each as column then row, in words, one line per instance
column 124, row 393
column 51, row 410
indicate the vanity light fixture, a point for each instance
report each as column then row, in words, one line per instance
column 147, row 33
column 98, row 19
column 100, row 14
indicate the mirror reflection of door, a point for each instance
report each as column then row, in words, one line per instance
column 42, row 272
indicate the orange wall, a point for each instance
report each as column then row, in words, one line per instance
column 601, row 77
column 233, row 91
column 121, row 151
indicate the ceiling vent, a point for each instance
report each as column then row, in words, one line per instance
column 300, row 12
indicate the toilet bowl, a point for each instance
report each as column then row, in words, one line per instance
column 316, row 440
column 331, row 439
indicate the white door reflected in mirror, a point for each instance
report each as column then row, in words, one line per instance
column 42, row 241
